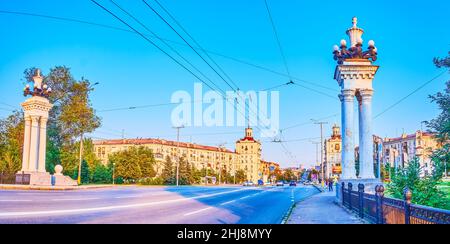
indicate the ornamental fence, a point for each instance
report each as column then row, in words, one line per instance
column 9, row 179
column 383, row 210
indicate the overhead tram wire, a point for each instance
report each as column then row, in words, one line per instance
column 151, row 42
column 318, row 92
column 408, row 95
column 163, row 41
column 195, row 41
column 155, row 45
column 179, row 35
column 307, row 123
column 171, row 27
column 274, row 29
column 167, row 40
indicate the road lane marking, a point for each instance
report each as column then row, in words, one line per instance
column 83, row 210
column 15, row 200
column 198, row 211
column 225, row 203
column 76, row 199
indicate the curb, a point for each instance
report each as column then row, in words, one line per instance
column 288, row 214
column 51, row 188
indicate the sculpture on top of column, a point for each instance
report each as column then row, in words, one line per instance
column 354, row 73
column 36, row 112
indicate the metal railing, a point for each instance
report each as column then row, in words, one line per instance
column 383, row 210
column 20, row 178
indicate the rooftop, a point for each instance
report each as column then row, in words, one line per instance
column 160, row 142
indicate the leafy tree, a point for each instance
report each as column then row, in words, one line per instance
column 441, row 124
column 168, row 173
column 423, row 186
column 101, row 174
column 11, row 143
column 134, row 163
column 240, row 176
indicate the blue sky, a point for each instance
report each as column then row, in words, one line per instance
column 131, row 72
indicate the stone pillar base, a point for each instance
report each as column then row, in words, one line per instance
column 43, row 179
column 369, row 184
column 63, row 180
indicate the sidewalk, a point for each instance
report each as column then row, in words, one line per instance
column 321, row 209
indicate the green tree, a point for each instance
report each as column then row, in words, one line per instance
column 441, row 124
column 134, row 163
column 168, row 173
column 423, row 186
column 102, row 174
column 240, row 176
column 11, row 143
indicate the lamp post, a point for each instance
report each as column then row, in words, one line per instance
column 113, row 173
column 178, row 148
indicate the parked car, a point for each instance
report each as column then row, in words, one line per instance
column 293, row 183
column 248, row 183
column 280, row 183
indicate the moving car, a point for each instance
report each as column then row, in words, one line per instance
column 293, row 183
column 280, row 183
column 248, row 183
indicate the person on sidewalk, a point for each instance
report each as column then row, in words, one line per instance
column 330, row 185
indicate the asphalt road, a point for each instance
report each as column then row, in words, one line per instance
column 165, row 205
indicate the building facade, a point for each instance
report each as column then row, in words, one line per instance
column 333, row 151
column 397, row 152
column 246, row 157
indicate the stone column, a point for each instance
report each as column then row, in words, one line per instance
column 26, row 144
column 42, row 144
column 366, row 149
column 348, row 150
column 34, row 144
column 360, row 134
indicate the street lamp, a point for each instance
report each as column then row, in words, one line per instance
column 113, row 173
column 354, row 52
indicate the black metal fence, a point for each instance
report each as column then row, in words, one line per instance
column 8, row 179
column 383, row 210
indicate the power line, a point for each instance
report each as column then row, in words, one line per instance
column 307, row 123
column 163, row 41
column 171, row 27
column 277, row 39
column 198, row 45
column 410, row 94
column 316, row 91
column 167, row 40
column 151, row 42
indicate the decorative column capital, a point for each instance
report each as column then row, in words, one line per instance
column 366, row 94
column 347, row 95
column 34, row 118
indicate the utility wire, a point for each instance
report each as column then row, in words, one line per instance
column 163, row 41
column 410, row 94
column 196, row 43
column 316, row 91
column 167, row 40
column 278, row 40
column 171, row 27
column 307, row 123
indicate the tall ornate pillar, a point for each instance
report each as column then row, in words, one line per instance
column 26, row 144
column 42, row 143
column 34, row 144
column 366, row 135
column 355, row 72
column 348, row 157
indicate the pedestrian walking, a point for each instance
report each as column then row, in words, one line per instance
column 330, row 185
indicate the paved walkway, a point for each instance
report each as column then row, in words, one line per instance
column 321, row 209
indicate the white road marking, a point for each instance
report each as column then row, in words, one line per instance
column 198, row 211
column 225, row 203
column 15, row 200
column 75, row 199
column 81, row 210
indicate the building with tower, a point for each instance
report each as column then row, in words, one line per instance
column 333, row 150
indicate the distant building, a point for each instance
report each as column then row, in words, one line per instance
column 333, row 151
column 269, row 171
column 399, row 151
column 247, row 155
